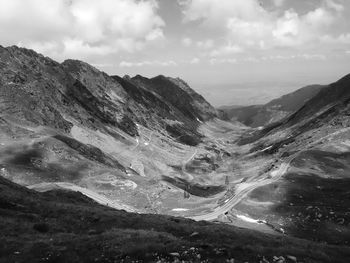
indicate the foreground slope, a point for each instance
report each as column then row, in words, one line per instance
column 61, row 226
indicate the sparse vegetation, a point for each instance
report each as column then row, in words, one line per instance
column 59, row 226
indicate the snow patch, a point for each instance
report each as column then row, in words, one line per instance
column 251, row 220
column 179, row 209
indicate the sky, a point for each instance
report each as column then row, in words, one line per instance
column 231, row 51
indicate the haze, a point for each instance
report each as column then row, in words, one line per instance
column 231, row 51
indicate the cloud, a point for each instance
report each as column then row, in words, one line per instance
column 195, row 61
column 278, row 2
column 128, row 64
column 80, row 28
column 340, row 39
column 205, row 44
column 251, row 59
column 294, row 30
column 296, row 56
column 215, row 61
column 217, row 12
column 228, row 49
column 334, row 5
column 187, row 41
column 202, row 44
column 246, row 25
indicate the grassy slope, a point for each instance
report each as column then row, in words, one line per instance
column 68, row 227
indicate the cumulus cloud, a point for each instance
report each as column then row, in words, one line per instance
column 296, row 56
column 205, row 44
column 195, row 61
column 128, row 64
column 246, row 25
column 334, row 5
column 186, row 41
column 228, row 49
column 215, row 61
column 80, row 28
column 340, row 39
column 292, row 29
column 217, row 12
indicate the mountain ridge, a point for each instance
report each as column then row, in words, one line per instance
column 154, row 145
column 276, row 109
column 104, row 93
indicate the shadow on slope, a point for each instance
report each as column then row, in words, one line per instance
column 30, row 165
column 195, row 188
column 61, row 226
column 311, row 201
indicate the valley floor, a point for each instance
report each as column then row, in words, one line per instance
column 277, row 195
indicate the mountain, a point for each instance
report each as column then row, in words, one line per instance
column 108, row 168
column 310, row 198
column 277, row 109
column 69, row 122
column 329, row 107
column 180, row 95
column 83, row 93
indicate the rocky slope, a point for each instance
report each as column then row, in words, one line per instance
column 275, row 110
column 329, row 109
column 309, row 199
column 69, row 122
column 57, row 95
column 156, row 146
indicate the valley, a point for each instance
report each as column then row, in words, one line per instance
column 70, row 135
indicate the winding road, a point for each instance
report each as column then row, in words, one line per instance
column 231, row 202
column 275, row 176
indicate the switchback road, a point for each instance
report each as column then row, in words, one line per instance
column 246, row 189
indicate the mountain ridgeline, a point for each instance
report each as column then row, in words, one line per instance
column 328, row 109
column 60, row 94
column 275, row 110
column 81, row 152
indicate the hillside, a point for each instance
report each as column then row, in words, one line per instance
column 107, row 168
column 60, row 226
column 275, row 110
column 329, row 108
column 72, row 123
column 83, row 93
column 309, row 200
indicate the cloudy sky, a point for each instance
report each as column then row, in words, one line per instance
column 232, row 51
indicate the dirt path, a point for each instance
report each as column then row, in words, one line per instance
column 185, row 163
